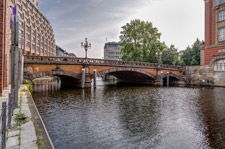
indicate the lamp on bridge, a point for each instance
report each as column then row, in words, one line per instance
column 86, row 46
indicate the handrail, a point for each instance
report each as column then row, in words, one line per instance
column 93, row 61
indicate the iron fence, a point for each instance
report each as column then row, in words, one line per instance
column 6, row 118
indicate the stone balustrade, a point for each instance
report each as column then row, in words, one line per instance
column 96, row 62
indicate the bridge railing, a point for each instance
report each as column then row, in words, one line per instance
column 92, row 61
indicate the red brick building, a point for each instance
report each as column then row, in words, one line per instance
column 35, row 33
column 214, row 48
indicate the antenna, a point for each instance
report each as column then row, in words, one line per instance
column 106, row 40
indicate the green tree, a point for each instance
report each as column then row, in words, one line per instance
column 140, row 42
column 170, row 55
column 191, row 55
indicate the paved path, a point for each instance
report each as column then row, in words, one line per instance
column 24, row 136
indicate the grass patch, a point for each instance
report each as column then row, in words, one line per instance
column 29, row 86
column 41, row 144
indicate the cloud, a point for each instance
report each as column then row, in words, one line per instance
column 73, row 20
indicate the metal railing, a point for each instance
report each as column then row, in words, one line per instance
column 98, row 62
column 6, row 118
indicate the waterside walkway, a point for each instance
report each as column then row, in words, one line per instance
column 22, row 136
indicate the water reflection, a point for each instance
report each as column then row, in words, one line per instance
column 134, row 117
column 213, row 109
column 45, row 86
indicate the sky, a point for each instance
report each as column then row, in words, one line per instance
column 180, row 22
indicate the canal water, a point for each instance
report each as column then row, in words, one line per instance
column 135, row 117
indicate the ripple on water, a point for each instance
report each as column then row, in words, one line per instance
column 134, row 117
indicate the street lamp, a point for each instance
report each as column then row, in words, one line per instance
column 85, row 45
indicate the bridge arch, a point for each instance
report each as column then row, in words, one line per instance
column 173, row 79
column 54, row 73
column 129, row 75
column 67, row 78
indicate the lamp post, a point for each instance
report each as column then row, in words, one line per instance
column 85, row 45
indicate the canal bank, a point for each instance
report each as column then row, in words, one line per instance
column 28, row 130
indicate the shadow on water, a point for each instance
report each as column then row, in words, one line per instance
column 213, row 108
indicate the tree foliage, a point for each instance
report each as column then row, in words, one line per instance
column 140, row 42
column 170, row 55
column 191, row 55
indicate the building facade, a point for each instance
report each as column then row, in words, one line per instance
column 112, row 51
column 214, row 31
column 35, row 33
column 60, row 51
column 213, row 52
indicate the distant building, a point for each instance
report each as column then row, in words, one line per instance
column 71, row 55
column 112, row 51
column 60, row 51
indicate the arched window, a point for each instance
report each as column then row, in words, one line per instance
column 219, row 65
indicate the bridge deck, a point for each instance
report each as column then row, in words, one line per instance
column 96, row 62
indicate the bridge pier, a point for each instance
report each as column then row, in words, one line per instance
column 95, row 77
column 168, row 79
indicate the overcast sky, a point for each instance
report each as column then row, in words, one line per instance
column 181, row 22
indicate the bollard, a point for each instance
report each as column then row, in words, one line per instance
column 95, row 76
column 83, row 79
column 10, row 109
column 3, row 129
column 161, row 78
column 168, row 79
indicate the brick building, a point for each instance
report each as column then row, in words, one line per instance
column 35, row 33
column 213, row 53
column 214, row 31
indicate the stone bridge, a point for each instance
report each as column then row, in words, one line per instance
column 80, row 71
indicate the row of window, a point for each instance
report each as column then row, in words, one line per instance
column 217, row 2
column 34, row 40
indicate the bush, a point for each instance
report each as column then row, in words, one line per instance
column 29, row 86
column 20, row 117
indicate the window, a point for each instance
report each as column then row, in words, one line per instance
column 27, row 21
column 217, row 2
column 222, row 15
column 219, row 65
column 19, row 15
column 24, row 4
column 27, row 36
column 27, row 28
column 18, row 6
column 222, row 1
column 33, row 46
column 222, row 34
column 33, row 32
column 20, row 41
column 20, row 32
column 33, row 39
column 20, row 23
column 27, row 44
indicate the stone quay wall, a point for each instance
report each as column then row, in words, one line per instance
column 200, row 75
